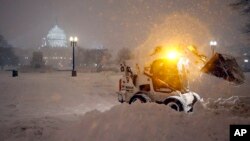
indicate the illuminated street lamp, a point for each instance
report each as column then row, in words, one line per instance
column 73, row 41
column 213, row 44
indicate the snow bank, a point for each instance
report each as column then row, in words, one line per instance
column 31, row 129
column 147, row 122
column 236, row 105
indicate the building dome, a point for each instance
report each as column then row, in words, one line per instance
column 56, row 37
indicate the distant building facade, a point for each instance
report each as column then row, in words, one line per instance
column 54, row 48
column 57, row 53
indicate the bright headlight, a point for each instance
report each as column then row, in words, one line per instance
column 173, row 55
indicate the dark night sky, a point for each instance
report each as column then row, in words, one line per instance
column 112, row 23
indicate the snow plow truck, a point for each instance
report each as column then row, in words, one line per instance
column 165, row 79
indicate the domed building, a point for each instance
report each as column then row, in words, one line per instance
column 56, row 52
column 56, row 37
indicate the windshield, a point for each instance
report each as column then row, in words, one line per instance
column 167, row 76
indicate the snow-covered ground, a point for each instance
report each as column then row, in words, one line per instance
column 34, row 102
column 56, row 106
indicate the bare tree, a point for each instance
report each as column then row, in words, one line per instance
column 92, row 58
column 123, row 54
column 7, row 55
column 244, row 7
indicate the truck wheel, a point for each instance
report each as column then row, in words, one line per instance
column 174, row 104
column 137, row 99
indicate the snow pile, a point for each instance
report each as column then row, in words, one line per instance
column 30, row 129
column 147, row 122
column 235, row 104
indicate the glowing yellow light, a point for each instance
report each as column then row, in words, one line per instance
column 173, row 55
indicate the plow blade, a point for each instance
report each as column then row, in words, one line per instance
column 226, row 67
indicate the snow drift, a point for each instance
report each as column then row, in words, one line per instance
column 147, row 122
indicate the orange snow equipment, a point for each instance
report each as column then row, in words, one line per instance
column 226, row 67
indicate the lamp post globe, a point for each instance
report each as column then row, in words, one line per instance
column 71, row 39
column 213, row 44
column 75, row 39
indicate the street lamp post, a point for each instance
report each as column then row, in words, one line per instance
column 73, row 41
column 213, row 44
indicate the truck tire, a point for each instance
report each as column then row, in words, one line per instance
column 137, row 98
column 174, row 104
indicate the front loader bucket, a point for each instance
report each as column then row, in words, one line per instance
column 226, row 67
